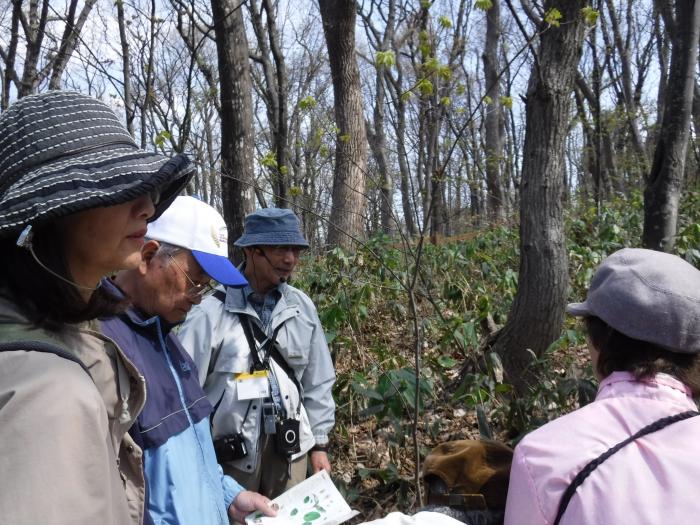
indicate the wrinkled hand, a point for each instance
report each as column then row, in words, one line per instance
column 319, row 461
column 249, row 501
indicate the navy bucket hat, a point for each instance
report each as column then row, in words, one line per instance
column 647, row 295
column 272, row 226
column 62, row 152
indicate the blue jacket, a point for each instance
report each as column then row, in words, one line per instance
column 185, row 484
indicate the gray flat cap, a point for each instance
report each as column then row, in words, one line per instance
column 647, row 295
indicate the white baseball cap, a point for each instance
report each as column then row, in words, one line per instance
column 194, row 225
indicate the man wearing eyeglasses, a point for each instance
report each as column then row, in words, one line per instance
column 264, row 363
column 184, row 250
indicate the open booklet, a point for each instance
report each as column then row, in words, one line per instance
column 314, row 501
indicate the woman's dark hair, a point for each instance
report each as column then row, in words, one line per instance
column 45, row 300
column 642, row 358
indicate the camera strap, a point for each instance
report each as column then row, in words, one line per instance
column 268, row 346
column 216, row 407
column 265, row 342
column 258, row 336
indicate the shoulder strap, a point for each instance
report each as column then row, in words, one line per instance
column 253, row 332
column 274, row 352
column 592, row 465
column 220, row 295
column 42, row 346
column 280, row 360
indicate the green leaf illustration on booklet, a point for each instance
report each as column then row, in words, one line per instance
column 315, row 501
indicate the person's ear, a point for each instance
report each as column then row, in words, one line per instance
column 148, row 252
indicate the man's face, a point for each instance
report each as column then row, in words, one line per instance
column 270, row 265
column 173, row 282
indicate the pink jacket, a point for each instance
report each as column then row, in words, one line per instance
column 650, row 481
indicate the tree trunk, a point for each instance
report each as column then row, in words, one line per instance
column 661, row 33
column 276, row 94
column 10, row 75
column 662, row 194
column 405, row 175
column 399, row 103
column 69, row 40
column 149, row 81
column 376, row 137
column 282, row 127
column 348, row 204
column 236, row 117
column 537, row 312
column 129, row 108
column 492, row 125
column 34, row 30
column 696, row 111
column 626, row 89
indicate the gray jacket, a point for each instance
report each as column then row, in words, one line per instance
column 214, row 337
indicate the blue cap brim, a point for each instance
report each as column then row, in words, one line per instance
column 220, row 269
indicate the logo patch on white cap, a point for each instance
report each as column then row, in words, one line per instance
column 215, row 237
column 223, row 235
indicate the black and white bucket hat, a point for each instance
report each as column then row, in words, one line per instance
column 62, row 152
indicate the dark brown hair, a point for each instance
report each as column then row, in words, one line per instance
column 642, row 358
column 44, row 299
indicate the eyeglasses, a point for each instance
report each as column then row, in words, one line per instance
column 196, row 290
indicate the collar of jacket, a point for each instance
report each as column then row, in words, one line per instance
column 237, row 303
column 137, row 316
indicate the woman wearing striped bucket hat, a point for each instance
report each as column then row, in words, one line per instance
column 76, row 193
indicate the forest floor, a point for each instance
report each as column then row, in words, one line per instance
column 369, row 446
column 463, row 292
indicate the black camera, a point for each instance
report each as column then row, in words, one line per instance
column 230, row 448
column 287, row 437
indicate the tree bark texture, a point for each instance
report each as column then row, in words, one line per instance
column 537, row 312
column 236, row 117
column 276, row 94
column 376, row 137
column 494, row 135
column 627, row 92
column 10, row 75
column 149, row 76
column 348, row 204
column 69, row 41
column 404, row 174
column 34, row 26
column 405, row 185
column 126, row 69
column 376, row 133
column 663, row 191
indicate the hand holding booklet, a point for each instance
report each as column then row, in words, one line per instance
column 314, row 501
